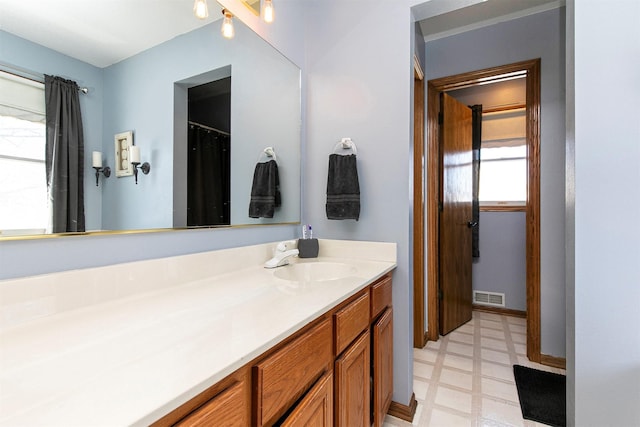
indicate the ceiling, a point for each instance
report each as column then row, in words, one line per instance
column 441, row 18
column 103, row 32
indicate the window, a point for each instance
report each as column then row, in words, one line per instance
column 23, row 187
column 503, row 174
column 503, row 159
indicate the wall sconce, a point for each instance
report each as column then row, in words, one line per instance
column 200, row 9
column 227, row 25
column 135, row 162
column 97, row 165
column 267, row 11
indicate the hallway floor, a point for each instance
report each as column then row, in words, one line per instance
column 466, row 378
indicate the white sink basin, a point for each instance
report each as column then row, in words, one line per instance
column 315, row 271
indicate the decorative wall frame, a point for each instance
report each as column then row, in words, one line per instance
column 123, row 141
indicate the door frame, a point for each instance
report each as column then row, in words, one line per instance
column 419, row 335
column 531, row 69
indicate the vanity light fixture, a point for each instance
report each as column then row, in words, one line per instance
column 227, row 25
column 96, row 162
column 267, row 11
column 200, row 9
column 135, row 162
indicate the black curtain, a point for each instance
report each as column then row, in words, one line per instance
column 476, row 111
column 209, row 183
column 64, row 156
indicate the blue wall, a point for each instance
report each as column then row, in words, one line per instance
column 359, row 86
column 502, row 263
column 535, row 36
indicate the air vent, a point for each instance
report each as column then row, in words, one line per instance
column 488, row 298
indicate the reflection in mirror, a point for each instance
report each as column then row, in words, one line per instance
column 23, row 189
column 147, row 93
column 208, row 159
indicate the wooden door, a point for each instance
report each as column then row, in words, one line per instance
column 316, row 408
column 352, row 371
column 382, row 366
column 455, row 214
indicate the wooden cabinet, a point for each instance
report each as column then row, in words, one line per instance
column 382, row 365
column 316, row 408
column 352, row 370
column 286, row 375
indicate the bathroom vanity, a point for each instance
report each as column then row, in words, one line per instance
column 329, row 370
column 188, row 339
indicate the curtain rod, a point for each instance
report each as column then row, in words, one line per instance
column 34, row 77
column 209, row 128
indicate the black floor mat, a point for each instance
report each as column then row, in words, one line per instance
column 542, row 395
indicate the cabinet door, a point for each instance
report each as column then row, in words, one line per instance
column 229, row 408
column 382, row 366
column 352, row 371
column 316, row 408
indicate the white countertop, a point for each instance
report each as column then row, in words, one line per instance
column 131, row 360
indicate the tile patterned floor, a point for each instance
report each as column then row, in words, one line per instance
column 466, row 378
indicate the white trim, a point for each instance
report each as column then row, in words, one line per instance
column 519, row 203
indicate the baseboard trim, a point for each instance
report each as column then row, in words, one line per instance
column 556, row 362
column 404, row 412
column 500, row 310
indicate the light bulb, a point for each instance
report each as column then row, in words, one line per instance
column 227, row 25
column 200, row 9
column 267, row 11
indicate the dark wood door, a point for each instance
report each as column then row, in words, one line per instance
column 455, row 214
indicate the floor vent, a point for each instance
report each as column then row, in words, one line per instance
column 488, row 298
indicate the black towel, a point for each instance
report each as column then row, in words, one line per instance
column 265, row 192
column 343, row 188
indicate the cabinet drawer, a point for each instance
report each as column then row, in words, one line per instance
column 351, row 321
column 229, row 408
column 380, row 296
column 284, row 376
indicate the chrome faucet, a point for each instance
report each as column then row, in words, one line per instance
column 282, row 253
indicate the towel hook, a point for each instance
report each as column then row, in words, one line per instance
column 345, row 144
column 269, row 152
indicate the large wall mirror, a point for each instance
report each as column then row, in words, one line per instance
column 151, row 94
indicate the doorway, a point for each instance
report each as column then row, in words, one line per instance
column 531, row 70
column 209, row 154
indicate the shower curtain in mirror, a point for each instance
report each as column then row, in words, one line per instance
column 208, row 181
column 64, row 156
column 476, row 117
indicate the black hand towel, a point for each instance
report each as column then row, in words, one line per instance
column 343, row 188
column 265, row 192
